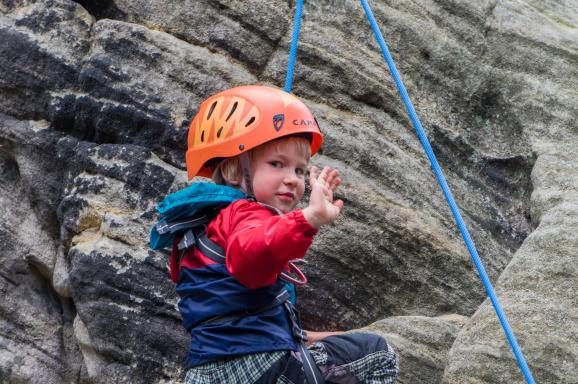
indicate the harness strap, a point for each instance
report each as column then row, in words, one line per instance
column 198, row 238
column 210, row 249
column 310, row 368
column 294, row 318
column 280, row 299
column 175, row 226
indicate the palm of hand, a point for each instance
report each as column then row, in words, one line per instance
column 323, row 184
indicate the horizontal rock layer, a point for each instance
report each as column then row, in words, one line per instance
column 96, row 101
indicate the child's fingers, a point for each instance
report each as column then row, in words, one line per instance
column 333, row 180
column 336, row 182
column 313, row 174
column 333, row 175
column 338, row 204
column 330, row 175
column 324, row 174
column 328, row 179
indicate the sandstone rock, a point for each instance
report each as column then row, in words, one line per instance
column 421, row 344
column 536, row 288
column 41, row 46
column 128, row 63
column 245, row 30
column 537, row 291
column 60, row 276
column 127, row 325
column 93, row 361
column 99, row 104
column 119, row 98
column 33, row 319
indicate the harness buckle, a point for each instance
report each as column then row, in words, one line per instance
column 188, row 240
column 162, row 227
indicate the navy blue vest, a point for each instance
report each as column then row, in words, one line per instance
column 211, row 291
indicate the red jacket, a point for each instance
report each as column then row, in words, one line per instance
column 258, row 243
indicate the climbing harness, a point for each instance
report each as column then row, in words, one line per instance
column 201, row 202
column 186, row 214
column 435, row 166
column 217, row 254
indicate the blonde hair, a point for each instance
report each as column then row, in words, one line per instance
column 230, row 169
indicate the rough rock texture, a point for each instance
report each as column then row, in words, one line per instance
column 542, row 275
column 118, row 286
column 95, row 100
column 421, row 344
column 35, row 323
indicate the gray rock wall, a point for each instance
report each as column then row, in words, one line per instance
column 96, row 98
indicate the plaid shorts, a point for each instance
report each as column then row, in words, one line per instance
column 350, row 358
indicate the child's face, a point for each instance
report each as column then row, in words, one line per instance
column 279, row 176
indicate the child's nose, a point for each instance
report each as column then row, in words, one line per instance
column 291, row 178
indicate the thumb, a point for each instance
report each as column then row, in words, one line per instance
column 338, row 204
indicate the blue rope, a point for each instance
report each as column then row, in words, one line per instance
column 448, row 195
column 294, row 41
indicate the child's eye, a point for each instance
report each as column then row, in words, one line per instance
column 300, row 171
column 276, row 164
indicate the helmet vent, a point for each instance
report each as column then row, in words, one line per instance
column 203, row 137
column 232, row 110
column 211, row 110
column 251, row 120
column 219, row 132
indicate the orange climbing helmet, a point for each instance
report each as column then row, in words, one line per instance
column 242, row 118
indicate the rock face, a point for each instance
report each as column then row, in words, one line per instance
column 96, row 98
column 542, row 275
column 421, row 344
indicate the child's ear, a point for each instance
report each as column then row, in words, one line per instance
column 233, row 182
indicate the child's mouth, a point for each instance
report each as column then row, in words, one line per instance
column 286, row 196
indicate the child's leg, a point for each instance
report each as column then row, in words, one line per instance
column 353, row 358
column 245, row 369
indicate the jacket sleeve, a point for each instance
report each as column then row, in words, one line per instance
column 261, row 244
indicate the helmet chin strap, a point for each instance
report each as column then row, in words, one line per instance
column 246, row 166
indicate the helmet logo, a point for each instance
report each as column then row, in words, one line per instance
column 305, row 122
column 278, row 121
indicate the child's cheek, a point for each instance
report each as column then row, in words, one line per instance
column 300, row 190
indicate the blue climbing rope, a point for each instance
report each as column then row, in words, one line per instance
column 294, row 41
column 448, row 195
column 435, row 166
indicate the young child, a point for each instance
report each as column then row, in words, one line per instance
column 235, row 282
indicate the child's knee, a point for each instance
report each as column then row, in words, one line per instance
column 349, row 347
column 377, row 345
column 365, row 356
column 375, row 342
column 382, row 360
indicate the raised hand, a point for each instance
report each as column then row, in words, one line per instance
column 322, row 209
